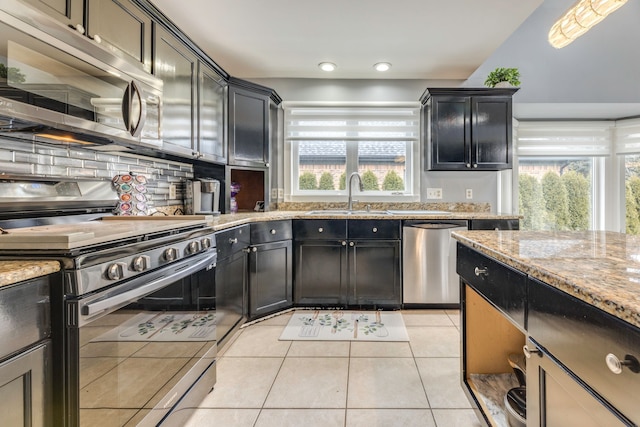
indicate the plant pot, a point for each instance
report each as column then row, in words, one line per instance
column 503, row 84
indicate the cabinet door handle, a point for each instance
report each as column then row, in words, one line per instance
column 528, row 352
column 234, row 240
column 481, row 271
column 615, row 365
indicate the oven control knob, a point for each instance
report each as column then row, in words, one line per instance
column 140, row 263
column 206, row 243
column 170, row 254
column 193, row 248
column 115, row 271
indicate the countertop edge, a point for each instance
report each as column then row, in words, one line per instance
column 16, row 271
column 617, row 309
column 225, row 221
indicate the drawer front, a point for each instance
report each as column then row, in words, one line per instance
column 319, row 229
column 494, row 224
column 26, row 314
column 228, row 242
column 501, row 285
column 373, row 229
column 272, row 231
column 581, row 336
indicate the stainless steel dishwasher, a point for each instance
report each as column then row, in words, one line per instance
column 429, row 263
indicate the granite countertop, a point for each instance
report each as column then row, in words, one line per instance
column 222, row 222
column 601, row 268
column 20, row 270
column 17, row 271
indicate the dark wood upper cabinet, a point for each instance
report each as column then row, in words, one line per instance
column 468, row 129
column 118, row 25
column 248, row 127
column 69, row 12
column 176, row 65
column 122, row 28
column 211, row 142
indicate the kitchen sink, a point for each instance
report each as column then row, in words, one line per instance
column 418, row 212
column 347, row 212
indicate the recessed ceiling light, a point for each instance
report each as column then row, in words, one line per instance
column 327, row 66
column 382, row 66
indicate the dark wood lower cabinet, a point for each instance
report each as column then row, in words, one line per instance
column 374, row 272
column 570, row 348
column 320, row 276
column 270, row 278
column 348, row 268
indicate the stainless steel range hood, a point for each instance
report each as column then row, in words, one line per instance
column 57, row 85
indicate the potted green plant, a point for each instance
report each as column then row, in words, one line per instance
column 503, row 77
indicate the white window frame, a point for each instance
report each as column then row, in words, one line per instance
column 567, row 140
column 412, row 160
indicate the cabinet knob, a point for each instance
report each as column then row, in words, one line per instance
column 468, row 165
column 320, row 230
column 96, row 38
column 352, row 244
column 615, row 365
column 266, row 164
column 78, row 27
column 475, row 165
column 374, row 229
column 273, row 231
column 481, row 271
column 344, row 243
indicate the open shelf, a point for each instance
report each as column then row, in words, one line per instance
column 490, row 390
column 489, row 339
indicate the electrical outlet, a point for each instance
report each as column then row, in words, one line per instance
column 172, row 191
column 280, row 193
column 274, row 193
column 469, row 193
column 434, row 193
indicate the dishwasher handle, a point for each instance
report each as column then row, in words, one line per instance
column 439, row 225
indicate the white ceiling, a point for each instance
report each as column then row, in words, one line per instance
column 423, row 39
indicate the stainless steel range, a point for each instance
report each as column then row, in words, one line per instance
column 135, row 320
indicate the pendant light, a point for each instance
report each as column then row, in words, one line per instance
column 580, row 17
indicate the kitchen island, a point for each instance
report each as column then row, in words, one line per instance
column 571, row 301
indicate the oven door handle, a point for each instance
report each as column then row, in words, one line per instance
column 114, row 299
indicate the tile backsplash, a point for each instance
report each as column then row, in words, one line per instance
column 31, row 160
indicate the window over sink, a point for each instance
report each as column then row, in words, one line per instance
column 326, row 143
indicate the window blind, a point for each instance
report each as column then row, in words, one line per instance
column 592, row 139
column 352, row 122
column 627, row 136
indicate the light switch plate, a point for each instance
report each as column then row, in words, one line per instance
column 280, row 193
column 469, row 193
column 434, row 193
column 274, row 193
column 172, row 191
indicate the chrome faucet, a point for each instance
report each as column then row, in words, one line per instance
column 354, row 174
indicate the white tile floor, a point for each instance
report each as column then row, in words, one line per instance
column 263, row 382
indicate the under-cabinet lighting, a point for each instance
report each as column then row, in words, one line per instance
column 580, row 17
